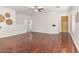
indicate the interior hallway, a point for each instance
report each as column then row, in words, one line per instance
column 40, row 43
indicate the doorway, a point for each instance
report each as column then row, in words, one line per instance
column 64, row 23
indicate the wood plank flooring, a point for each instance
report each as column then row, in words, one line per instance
column 60, row 43
column 38, row 43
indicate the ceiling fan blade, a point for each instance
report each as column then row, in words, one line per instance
column 41, row 8
column 36, row 8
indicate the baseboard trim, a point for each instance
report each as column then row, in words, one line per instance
column 73, row 38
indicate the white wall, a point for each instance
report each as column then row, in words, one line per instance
column 19, row 26
column 13, row 17
column 42, row 22
column 12, row 31
column 5, row 28
column 23, row 20
column 75, row 27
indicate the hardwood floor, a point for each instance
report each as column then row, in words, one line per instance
column 61, row 42
column 38, row 43
column 17, row 43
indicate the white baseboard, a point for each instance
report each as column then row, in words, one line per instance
column 75, row 41
column 46, row 32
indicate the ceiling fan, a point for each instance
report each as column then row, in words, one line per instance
column 37, row 9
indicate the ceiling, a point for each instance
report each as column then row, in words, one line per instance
column 28, row 11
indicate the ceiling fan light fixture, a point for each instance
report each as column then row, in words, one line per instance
column 35, row 10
